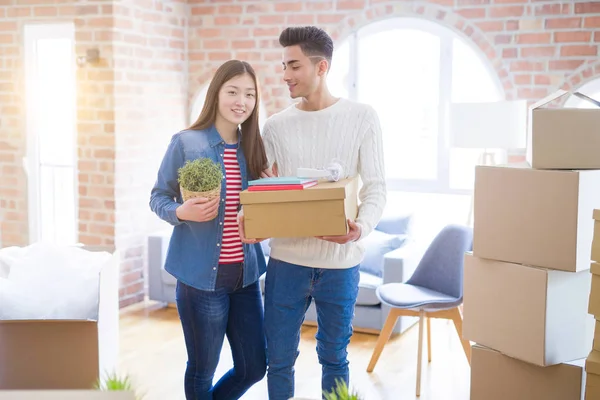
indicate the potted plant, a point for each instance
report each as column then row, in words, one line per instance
column 200, row 178
column 342, row 392
column 114, row 382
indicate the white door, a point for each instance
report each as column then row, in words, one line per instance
column 51, row 160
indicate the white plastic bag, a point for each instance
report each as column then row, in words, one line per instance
column 47, row 281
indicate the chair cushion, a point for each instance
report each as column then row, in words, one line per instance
column 376, row 245
column 396, row 224
column 402, row 295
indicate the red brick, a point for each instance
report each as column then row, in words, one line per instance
column 350, row 4
column 597, row 37
column 203, row 10
column 227, row 20
column 219, row 56
column 276, row 19
column 552, row 9
column 212, row 44
column 243, row 44
column 565, row 65
column 301, row 19
column 329, row 18
column 472, row 13
column 579, row 50
column 15, row 12
column 542, row 80
column 491, row 26
column 563, row 23
column 591, row 22
column 524, row 66
column 573, row 36
column 287, row 7
column 472, row 2
column 510, row 53
column 591, row 7
column 503, row 39
column 541, row 51
column 231, row 9
column 266, row 32
column 531, row 93
column 508, row 11
column 534, row 38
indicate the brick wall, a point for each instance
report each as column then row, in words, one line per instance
column 534, row 46
column 128, row 106
column 150, row 106
column 156, row 54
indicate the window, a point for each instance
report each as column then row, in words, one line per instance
column 51, row 132
column 591, row 89
column 410, row 70
column 199, row 103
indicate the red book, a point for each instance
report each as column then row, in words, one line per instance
column 266, row 188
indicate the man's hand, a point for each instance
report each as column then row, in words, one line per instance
column 352, row 235
column 242, row 232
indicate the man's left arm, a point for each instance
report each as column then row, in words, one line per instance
column 372, row 173
column 371, row 168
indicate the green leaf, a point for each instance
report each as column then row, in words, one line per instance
column 200, row 175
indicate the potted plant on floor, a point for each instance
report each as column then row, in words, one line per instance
column 114, row 382
column 200, row 178
column 342, row 392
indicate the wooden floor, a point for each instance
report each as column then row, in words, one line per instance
column 153, row 353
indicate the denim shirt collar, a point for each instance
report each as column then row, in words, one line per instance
column 214, row 138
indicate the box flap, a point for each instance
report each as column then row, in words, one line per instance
column 596, row 215
column 595, row 268
column 592, row 364
column 587, row 98
column 551, row 97
column 323, row 191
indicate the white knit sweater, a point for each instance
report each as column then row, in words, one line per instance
column 348, row 133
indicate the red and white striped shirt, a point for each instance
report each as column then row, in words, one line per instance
column 231, row 246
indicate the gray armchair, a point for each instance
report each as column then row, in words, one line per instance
column 390, row 257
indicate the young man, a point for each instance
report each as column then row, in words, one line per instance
column 317, row 130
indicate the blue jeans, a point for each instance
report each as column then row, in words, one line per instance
column 289, row 290
column 206, row 317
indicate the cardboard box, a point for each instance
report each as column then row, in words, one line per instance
column 495, row 376
column 596, row 344
column 563, row 138
column 64, row 395
column 531, row 314
column 596, row 238
column 321, row 210
column 592, row 386
column 535, row 217
column 64, row 354
column 594, row 302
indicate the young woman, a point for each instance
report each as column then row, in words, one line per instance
column 217, row 275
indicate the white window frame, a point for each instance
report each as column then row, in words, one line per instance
column 442, row 183
column 32, row 33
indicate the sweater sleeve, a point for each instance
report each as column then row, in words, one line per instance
column 269, row 142
column 371, row 168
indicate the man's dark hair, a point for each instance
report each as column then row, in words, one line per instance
column 312, row 40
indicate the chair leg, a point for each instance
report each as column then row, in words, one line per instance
column 420, row 352
column 429, row 339
column 384, row 336
column 457, row 319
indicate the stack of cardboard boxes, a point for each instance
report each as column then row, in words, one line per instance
column 527, row 282
column 592, row 364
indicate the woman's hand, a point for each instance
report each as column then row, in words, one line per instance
column 270, row 172
column 198, row 209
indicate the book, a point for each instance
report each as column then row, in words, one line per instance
column 281, row 180
column 266, row 188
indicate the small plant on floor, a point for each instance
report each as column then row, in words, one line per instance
column 341, row 392
column 114, row 382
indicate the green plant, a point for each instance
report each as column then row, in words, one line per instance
column 114, row 382
column 200, row 175
column 341, row 392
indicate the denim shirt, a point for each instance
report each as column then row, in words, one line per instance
column 194, row 247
